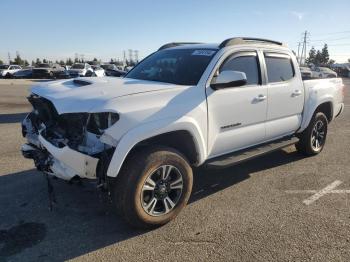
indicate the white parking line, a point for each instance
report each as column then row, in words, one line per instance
column 318, row 194
column 322, row 192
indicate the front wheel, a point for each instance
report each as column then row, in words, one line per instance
column 313, row 138
column 153, row 187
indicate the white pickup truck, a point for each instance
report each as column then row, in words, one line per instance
column 183, row 106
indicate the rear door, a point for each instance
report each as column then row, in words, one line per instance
column 285, row 95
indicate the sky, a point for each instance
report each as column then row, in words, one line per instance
column 104, row 28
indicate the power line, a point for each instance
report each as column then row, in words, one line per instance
column 330, row 39
column 343, row 44
column 334, row 33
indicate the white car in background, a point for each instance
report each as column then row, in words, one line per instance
column 98, row 71
column 9, row 70
column 80, row 69
column 306, row 72
column 323, row 72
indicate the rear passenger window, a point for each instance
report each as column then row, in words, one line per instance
column 279, row 68
column 246, row 64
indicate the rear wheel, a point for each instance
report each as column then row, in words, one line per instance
column 153, row 187
column 313, row 138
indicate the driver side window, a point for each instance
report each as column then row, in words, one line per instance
column 246, row 63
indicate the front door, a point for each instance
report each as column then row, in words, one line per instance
column 237, row 115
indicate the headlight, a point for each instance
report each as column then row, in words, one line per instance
column 101, row 121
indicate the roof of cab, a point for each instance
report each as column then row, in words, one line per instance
column 226, row 43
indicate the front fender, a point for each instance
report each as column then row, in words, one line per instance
column 151, row 129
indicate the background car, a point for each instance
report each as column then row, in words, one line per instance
column 47, row 70
column 97, row 71
column 80, row 69
column 112, row 70
column 7, row 71
column 306, row 72
column 323, row 72
column 24, row 73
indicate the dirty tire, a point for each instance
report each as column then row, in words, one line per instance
column 127, row 189
column 306, row 144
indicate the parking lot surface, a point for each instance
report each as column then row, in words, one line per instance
column 279, row 207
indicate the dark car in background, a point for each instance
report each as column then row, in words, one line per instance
column 112, row 70
column 47, row 70
column 26, row 72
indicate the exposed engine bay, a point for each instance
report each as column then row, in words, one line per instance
column 67, row 145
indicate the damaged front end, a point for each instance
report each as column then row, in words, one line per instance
column 67, row 145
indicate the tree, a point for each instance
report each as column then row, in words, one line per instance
column 61, row 63
column 324, row 55
column 18, row 60
column 33, row 63
column 318, row 58
column 349, row 60
column 1, row 62
column 25, row 63
column 38, row 61
column 45, row 61
column 69, row 62
column 312, row 56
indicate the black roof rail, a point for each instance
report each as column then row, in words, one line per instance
column 173, row 44
column 245, row 40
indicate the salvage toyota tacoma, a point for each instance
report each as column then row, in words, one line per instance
column 186, row 105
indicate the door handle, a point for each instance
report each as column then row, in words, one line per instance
column 296, row 93
column 261, row 98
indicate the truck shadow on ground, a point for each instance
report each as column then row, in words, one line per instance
column 83, row 220
column 210, row 181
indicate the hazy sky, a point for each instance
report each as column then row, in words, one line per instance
column 103, row 29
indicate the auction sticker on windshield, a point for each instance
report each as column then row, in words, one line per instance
column 203, row 52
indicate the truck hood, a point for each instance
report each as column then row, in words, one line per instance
column 88, row 94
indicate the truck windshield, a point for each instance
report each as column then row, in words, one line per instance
column 4, row 66
column 175, row 66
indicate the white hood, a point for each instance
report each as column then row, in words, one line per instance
column 70, row 96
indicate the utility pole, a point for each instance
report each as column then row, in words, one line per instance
column 298, row 56
column 304, row 51
column 130, row 55
column 9, row 57
column 136, row 52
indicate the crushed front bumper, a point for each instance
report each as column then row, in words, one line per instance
column 63, row 163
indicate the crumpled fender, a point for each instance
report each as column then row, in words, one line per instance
column 151, row 129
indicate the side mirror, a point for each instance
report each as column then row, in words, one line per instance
column 228, row 79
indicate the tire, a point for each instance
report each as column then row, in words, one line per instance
column 139, row 194
column 313, row 138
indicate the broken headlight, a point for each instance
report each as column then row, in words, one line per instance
column 101, row 121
